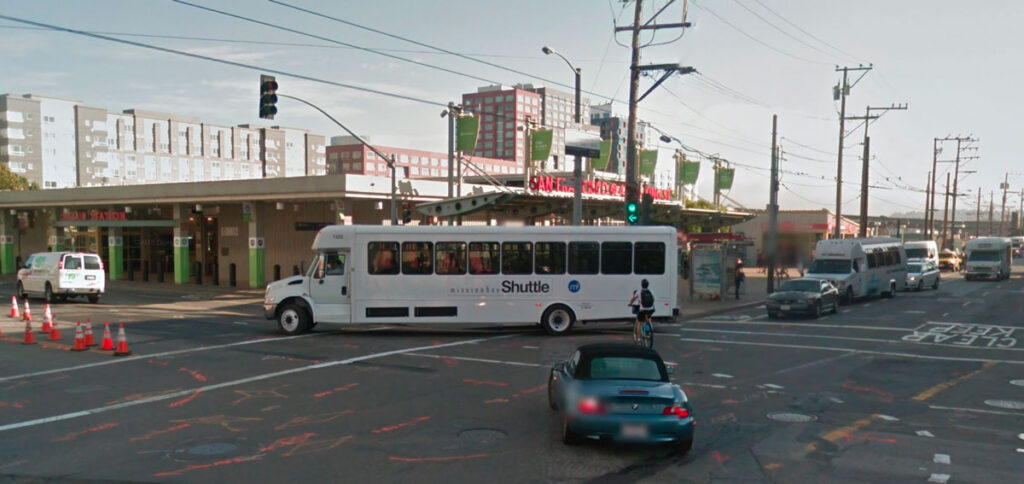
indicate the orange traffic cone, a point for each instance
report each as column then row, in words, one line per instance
column 79, row 339
column 89, row 340
column 30, row 337
column 107, row 344
column 54, row 333
column 27, row 315
column 122, row 343
column 47, row 319
column 14, row 307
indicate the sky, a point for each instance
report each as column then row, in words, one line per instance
column 954, row 67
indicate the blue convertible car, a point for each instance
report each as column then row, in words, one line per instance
column 622, row 393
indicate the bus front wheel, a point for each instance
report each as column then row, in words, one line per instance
column 557, row 319
column 293, row 319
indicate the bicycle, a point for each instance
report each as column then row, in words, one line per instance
column 643, row 328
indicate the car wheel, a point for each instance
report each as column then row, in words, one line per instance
column 920, row 285
column 835, row 306
column 48, row 293
column 293, row 319
column 892, row 291
column 551, row 392
column 684, row 446
column 568, row 436
column 817, row 311
column 21, row 291
column 772, row 315
column 94, row 298
column 557, row 320
column 848, row 297
column 936, row 284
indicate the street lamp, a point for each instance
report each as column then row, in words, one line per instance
column 548, row 51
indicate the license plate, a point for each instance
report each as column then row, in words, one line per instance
column 634, row 431
column 90, row 278
column 785, row 307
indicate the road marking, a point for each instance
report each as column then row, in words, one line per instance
column 888, row 418
column 924, row 433
column 706, row 385
column 532, row 347
column 939, row 478
column 853, row 350
column 915, row 311
column 478, row 360
column 721, row 375
column 975, row 410
column 160, row 355
column 773, row 386
column 841, row 432
column 985, row 294
column 815, row 363
column 965, row 304
column 941, row 459
column 931, row 392
column 794, row 335
column 945, row 314
column 234, row 383
column 809, row 325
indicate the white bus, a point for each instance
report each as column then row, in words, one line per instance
column 861, row 267
column 553, row 276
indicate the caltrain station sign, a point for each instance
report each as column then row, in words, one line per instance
column 551, row 184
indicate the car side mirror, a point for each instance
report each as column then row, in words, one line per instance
column 670, row 369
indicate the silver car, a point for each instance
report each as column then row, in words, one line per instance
column 922, row 274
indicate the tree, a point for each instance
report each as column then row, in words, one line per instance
column 12, row 181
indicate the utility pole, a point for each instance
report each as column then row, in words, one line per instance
column 991, row 209
column 956, row 177
column 930, row 212
column 864, row 165
column 452, row 112
column 927, row 204
column 773, row 207
column 945, row 213
column 1002, row 211
column 977, row 217
column 839, row 93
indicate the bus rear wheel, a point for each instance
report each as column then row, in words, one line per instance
column 557, row 319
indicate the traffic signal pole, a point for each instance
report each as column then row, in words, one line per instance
column 773, row 208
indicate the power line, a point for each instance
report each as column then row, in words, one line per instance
column 755, row 39
column 780, row 29
column 784, row 19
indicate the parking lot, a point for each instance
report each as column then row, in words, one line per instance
column 923, row 387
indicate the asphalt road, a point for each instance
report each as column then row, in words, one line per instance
column 926, row 387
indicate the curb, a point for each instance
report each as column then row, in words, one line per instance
column 682, row 318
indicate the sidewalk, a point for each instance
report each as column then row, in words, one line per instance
column 752, row 293
column 169, row 287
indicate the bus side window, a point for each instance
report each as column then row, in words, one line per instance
column 616, row 257
column 584, row 257
column 451, row 258
column 417, row 258
column 649, row 257
column 516, row 258
column 550, row 258
column 382, row 258
column 484, row 257
column 856, row 268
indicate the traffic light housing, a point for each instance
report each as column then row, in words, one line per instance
column 268, row 97
column 646, row 209
column 406, row 213
column 632, row 205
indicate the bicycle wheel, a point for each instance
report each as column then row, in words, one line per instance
column 648, row 335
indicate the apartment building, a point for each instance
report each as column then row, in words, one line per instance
column 346, row 155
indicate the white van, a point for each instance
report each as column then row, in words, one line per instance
column 62, row 274
column 861, row 267
column 988, row 257
column 925, row 250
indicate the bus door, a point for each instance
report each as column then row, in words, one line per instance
column 329, row 287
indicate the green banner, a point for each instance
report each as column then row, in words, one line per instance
column 688, row 172
column 724, row 178
column 540, row 144
column 466, row 129
column 648, row 160
column 601, row 162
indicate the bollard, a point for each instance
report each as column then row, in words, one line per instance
column 295, row 270
column 216, row 274
column 277, row 272
column 198, row 268
column 302, row 267
column 130, row 271
column 232, row 281
column 17, row 262
column 145, row 271
column 159, row 271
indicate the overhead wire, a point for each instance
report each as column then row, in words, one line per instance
column 784, row 19
column 755, row 39
column 783, row 31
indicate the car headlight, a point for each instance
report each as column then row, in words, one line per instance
column 912, row 278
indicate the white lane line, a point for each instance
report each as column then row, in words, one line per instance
column 939, row 478
column 867, row 305
column 975, row 410
column 706, row 385
column 478, row 360
column 945, row 314
column 233, row 383
column 809, row 325
column 985, row 294
column 888, row 418
column 965, row 304
column 1020, row 436
column 721, row 375
column 531, row 347
column 915, row 311
column 160, row 355
column 924, row 433
column 852, row 350
column 792, row 335
column 941, row 459
column 773, row 386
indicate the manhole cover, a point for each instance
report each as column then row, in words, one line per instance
column 1019, row 383
column 483, row 436
column 791, row 417
column 212, row 448
column 1010, row 404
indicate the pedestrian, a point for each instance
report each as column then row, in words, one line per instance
column 800, row 261
column 760, row 262
column 739, row 280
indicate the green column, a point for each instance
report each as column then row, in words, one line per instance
column 115, row 254
column 8, row 228
column 253, row 214
column 180, row 250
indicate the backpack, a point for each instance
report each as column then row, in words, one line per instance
column 646, row 298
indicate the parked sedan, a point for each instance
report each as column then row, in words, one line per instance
column 921, row 275
column 619, row 392
column 805, row 296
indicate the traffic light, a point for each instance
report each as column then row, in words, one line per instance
column 646, row 209
column 406, row 213
column 632, row 208
column 268, row 97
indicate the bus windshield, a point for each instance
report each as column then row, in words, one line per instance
column 983, row 255
column 830, row 266
column 917, row 253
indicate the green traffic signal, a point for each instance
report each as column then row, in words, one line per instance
column 632, row 217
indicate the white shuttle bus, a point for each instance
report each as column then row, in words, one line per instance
column 552, row 276
column 861, row 267
column 926, row 250
column 988, row 257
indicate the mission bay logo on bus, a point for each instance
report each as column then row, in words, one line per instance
column 507, row 287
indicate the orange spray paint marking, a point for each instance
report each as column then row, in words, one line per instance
column 719, row 457
column 438, row 459
column 390, row 428
column 75, row 435
column 497, row 400
column 168, row 430
column 11, row 405
column 158, row 362
column 185, row 400
column 315, row 419
column 315, row 446
column 476, row 382
column 343, row 388
column 219, row 463
column 288, row 441
column 885, row 395
column 534, row 389
column 450, row 362
column 195, row 373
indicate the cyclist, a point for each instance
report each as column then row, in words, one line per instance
column 643, row 306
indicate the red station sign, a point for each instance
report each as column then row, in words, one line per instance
column 591, row 187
